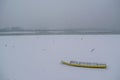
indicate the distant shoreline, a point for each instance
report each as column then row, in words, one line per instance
column 56, row 32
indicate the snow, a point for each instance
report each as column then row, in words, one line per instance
column 38, row 57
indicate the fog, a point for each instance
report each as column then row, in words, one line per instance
column 61, row 14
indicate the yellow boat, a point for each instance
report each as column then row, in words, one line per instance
column 85, row 64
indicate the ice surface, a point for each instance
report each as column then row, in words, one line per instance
column 38, row 57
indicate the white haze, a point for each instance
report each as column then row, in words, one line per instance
column 61, row 14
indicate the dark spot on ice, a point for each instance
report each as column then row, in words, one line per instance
column 13, row 46
column 43, row 49
column 5, row 45
column 81, row 38
column 92, row 50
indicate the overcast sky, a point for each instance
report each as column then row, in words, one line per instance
column 59, row 14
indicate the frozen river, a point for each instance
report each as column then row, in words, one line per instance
column 38, row 57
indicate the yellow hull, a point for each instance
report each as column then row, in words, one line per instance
column 85, row 65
